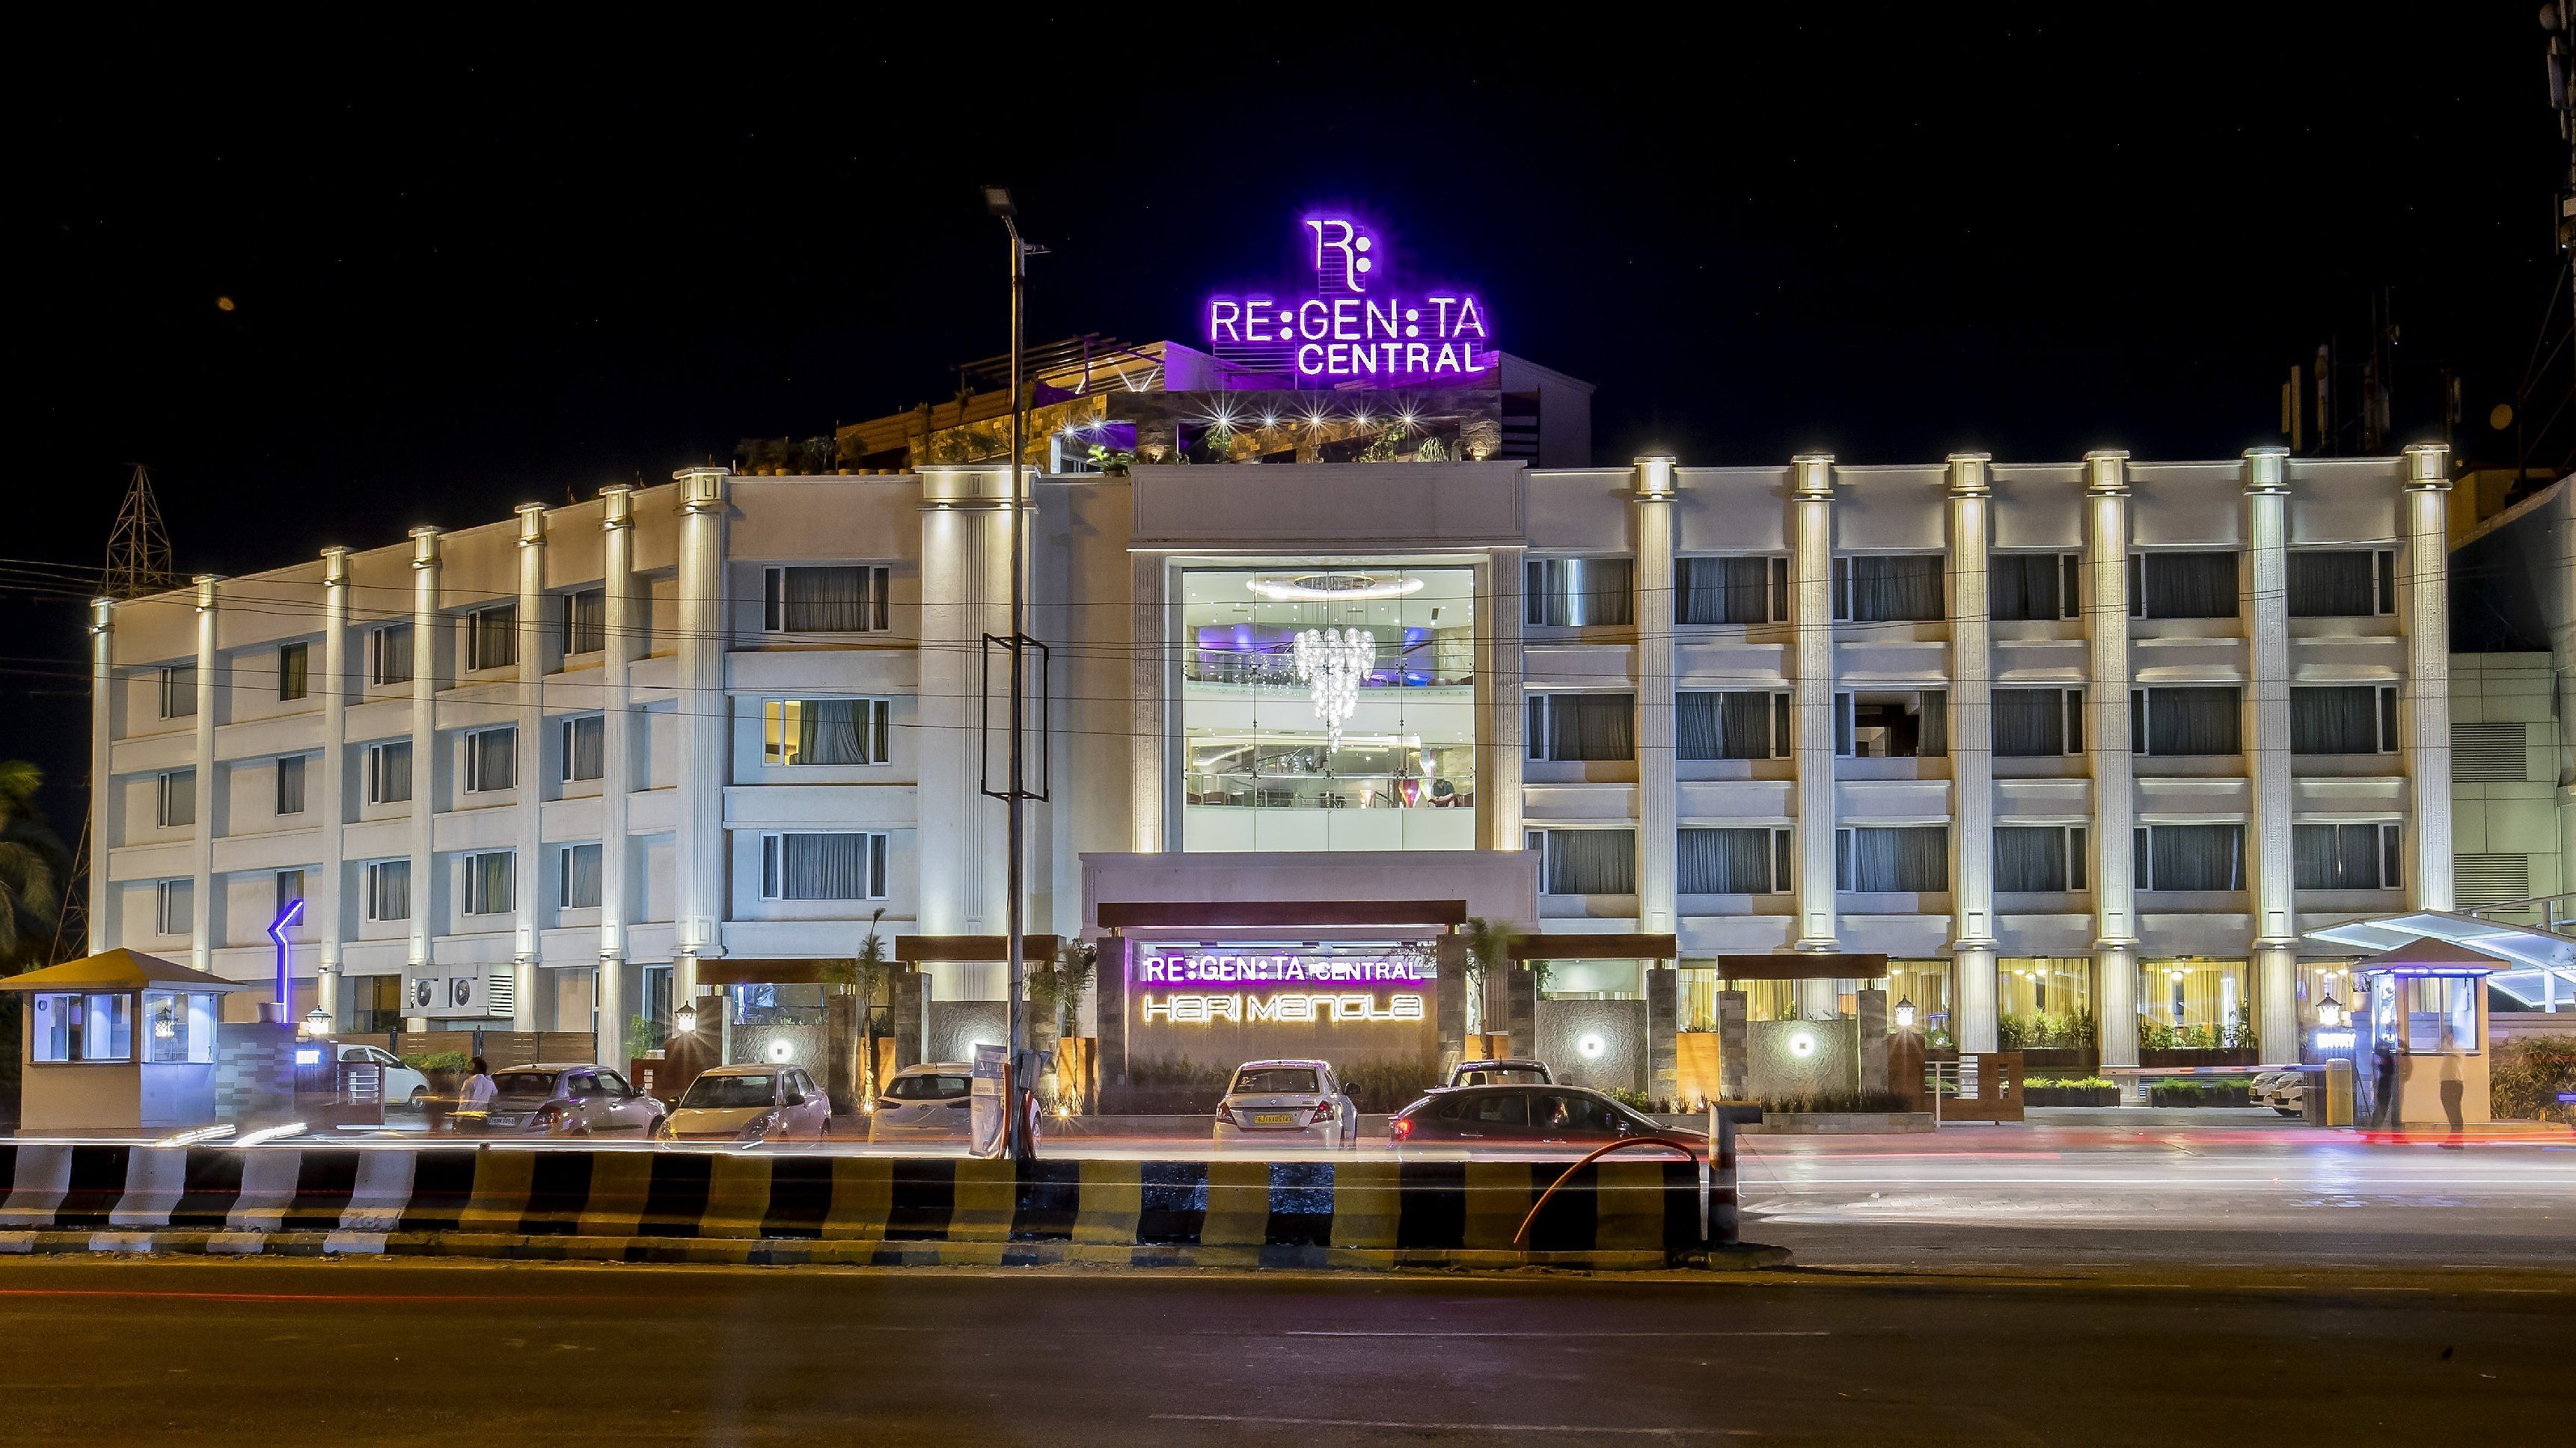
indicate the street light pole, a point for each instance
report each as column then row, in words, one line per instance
column 1015, row 1127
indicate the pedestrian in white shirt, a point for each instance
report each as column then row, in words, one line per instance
column 475, row 1099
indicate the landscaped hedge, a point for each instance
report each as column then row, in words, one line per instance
column 2070, row 1091
column 2526, row 1076
column 2201, row 1093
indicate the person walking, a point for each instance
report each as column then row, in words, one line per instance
column 474, row 1099
column 2384, row 1115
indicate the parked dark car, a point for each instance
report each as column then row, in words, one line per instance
column 563, row 1100
column 1508, row 1071
column 1516, row 1116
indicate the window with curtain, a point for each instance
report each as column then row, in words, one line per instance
column 585, row 745
column 2039, row 857
column 1732, row 861
column 835, row 599
column 174, row 907
column 179, row 691
column 1580, row 592
column 389, row 890
column 489, row 883
column 1731, row 590
column 1582, row 726
column 2343, row 719
column 1902, row 859
column 492, row 637
column 585, row 621
column 1731, row 724
column 1904, row 725
column 2194, row 719
column 827, row 731
column 175, row 799
column 823, row 867
column 290, row 784
column 2183, row 585
column 1586, row 862
column 2345, row 857
column 2192, row 1004
column 389, row 772
column 290, row 888
column 2031, row 585
column 2038, row 723
column 2190, row 857
column 580, row 877
column 292, row 677
column 2342, row 582
column 389, row 655
column 1891, row 587
column 491, row 760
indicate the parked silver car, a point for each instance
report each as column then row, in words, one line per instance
column 1287, row 1103
column 750, row 1103
column 562, row 1100
column 926, row 1101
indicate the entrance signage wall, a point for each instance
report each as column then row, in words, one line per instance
column 1212, row 987
column 1354, row 324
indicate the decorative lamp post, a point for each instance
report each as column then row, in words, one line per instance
column 2330, row 1013
column 1905, row 1013
column 317, row 1024
column 684, row 1021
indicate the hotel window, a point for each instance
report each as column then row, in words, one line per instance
column 174, row 802
column 492, row 637
column 2346, row 857
column 290, row 888
column 1892, row 724
column 291, row 670
column 1731, row 590
column 2189, row 857
column 1890, row 587
column 178, row 691
column 491, row 760
column 826, row 731
column 2183, row 585
column 1734, row 861
column 1578, row 592
column 81, row 1026
column 1585, row 862
column 826, row 600
column 2039, row 858
column 389, row 890
column 2199, row 719
column 389, row 655
column 2194, row 1005
column 823, row 867
column 174, row 907
column 585, row 747
column 1903, row 859
column 2038, row 723
column 179, row 1026
column 2045, row 1003
column 585, row 621
column 389, row 772
column 578, row 867
column 290, row 784
column 1731, row 724
column 1582, row 726
column 2032, row 586
column 2344, row 719
column 489, row 881
column 2342, row 582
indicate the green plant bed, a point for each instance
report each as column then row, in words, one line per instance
column 2200, row 1093
column 1838, row 1103
column 2527, row 1074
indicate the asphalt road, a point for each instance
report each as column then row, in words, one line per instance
column 113, row 1352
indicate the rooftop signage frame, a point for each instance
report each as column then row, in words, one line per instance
column 1355, row 324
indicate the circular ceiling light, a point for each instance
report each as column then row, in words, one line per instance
column 1334, row 587
column 1591, row 1046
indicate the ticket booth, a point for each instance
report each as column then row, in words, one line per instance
column 118, row 1042
column 2426, row 1002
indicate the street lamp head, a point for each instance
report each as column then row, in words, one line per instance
column 1905, row 1013
column 685, row 1019
column 2330, row 1012
column 997, row 200
column 317, row 1023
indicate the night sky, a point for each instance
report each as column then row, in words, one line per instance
column 471, row 268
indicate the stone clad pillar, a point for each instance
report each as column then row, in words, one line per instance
column 1150, row 723
column 2423, row 607
column 102, row 762
column 617, row 526
column 429, row 663
column 2267, row 736
column 2106, row 750
column 325, row 912
column 201, row 845
column 1657, row 791
column 1972, row 769
column 530, row 763
column 1811, row 615
column 706, row 717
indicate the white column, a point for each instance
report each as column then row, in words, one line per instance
column 1150, row 722
column 530, row 764
column 201, row 847
column 323, row 911
column 706, row 711
column 2267, row 734
column 1657, row 802
column 2106, row 748
column 965, row 594
column 1972, row 770
column 1811, row 614
column 2423, row 604
column 1499, row 674
column 429, row 663
column 102, row 762
column 617, row 513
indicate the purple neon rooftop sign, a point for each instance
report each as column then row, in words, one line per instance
column 1355, row 324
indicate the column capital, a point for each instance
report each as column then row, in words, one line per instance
column 532, row 524
column 2106, row 471
column 1811, row 475
column 102, row 615
column 2428, row 467
column 702, row 489
column 616, row 506
column 1971, row 474
column 1655, row 477
column 2267, row 470
column 335, row 566
column 205, row 583
column 424, row 547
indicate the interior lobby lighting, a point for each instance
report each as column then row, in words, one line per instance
column 1333, row 588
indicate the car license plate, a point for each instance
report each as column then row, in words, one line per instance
column 1274, row 1118
column 505, row 1120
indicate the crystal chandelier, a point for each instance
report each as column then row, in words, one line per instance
column 1331, row 662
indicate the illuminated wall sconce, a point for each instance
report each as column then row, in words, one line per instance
column 1591, row 1046
column 1802, row 1044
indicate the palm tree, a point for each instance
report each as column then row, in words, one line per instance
column 1489, row 948
column 33, row 865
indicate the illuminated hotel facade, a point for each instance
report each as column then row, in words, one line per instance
column 2080, row 748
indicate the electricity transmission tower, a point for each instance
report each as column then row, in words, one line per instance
column 138, row 548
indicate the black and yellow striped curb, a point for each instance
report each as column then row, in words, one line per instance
column 720, row 1206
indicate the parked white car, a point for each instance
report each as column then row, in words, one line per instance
column 934, row 1100
column 403, row 1086
column 2284, row 1091
column 1287, row 1103
column 750, row 1103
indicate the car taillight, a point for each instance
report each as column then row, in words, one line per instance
column 548, row 1114
column 1323, row 1113
column 1400, row 1128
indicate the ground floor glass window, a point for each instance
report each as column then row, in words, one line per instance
column 2194, row 1004
column 2045, row 1003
